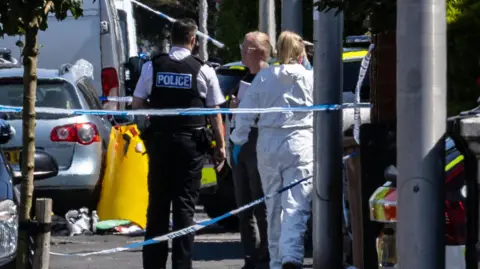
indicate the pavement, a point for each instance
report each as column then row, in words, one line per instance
column 214, row 248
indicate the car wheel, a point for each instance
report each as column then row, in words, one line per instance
column 222, row 200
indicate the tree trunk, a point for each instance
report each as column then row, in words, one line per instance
column 383, row 77
column 30, row 54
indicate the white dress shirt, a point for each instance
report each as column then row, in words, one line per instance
column 207, row 81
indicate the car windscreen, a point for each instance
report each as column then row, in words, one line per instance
column 50, row 93
column 350, row 75
column 229, row 80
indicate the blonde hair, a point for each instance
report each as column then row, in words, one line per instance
column 262, row 41
column 290, row 47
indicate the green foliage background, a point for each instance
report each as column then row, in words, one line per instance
column 463, row 54
column 236, row 18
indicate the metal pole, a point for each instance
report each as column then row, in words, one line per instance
column 202, row 17
column 266, row 19
column 328, row 142
column 292, row 15
column 421, row 125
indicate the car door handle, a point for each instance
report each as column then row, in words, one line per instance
column 104, row 29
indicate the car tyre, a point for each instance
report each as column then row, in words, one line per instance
column 10, row 265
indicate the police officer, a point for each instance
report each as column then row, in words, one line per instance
column 177, row 144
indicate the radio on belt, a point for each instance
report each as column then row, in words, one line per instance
column 174, row 80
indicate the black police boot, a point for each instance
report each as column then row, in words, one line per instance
column 291, row 265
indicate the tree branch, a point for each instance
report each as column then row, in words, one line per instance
column 48, row 7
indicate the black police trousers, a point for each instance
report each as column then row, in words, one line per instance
column 253, row 222
column 174, row 178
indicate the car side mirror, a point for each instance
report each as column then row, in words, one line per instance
column 45, row 167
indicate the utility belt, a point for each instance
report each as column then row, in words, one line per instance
column 203, row 135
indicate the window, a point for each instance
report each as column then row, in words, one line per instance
column 350, row 78
column 229, row 80
column 50, row 93
column 89, row 93
column 124, row 31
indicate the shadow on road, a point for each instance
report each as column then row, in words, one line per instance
column 216, row 251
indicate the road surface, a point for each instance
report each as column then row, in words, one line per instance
column 214, row 248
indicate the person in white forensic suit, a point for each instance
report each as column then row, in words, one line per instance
column 284, row 148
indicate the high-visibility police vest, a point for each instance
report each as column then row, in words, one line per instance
column 175, row 86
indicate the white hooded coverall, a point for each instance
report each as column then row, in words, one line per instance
column 285, row 154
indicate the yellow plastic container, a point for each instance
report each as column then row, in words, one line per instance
column 124, row 193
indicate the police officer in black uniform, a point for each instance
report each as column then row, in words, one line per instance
column 177, row 145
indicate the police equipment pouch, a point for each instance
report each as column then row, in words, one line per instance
column 207, row 139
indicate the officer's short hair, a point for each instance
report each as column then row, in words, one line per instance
column 183, row 30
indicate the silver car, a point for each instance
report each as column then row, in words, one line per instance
column 78, row 143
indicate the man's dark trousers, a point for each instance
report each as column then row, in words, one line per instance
column 248, row 187
column 175, row 169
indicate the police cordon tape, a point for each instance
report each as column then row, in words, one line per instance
column 170, row 19
column 187, row 111
column 361, row 76
column 193, row 228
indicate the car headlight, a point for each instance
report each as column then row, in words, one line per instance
column 8, row 230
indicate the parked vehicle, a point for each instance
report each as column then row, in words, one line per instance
column 95, row 37
column 383, row 209
column 45, row 167
column 76, row 142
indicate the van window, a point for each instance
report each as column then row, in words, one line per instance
column 124, row 29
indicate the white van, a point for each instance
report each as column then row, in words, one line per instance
column 95, row 37
column 129, row 34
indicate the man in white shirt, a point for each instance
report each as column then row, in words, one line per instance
column 177, row 144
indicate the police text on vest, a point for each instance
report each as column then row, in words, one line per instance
column 173, row 80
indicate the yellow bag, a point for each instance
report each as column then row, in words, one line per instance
column 124, row 193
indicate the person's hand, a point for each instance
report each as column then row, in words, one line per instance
column 235, row 152
column 220, row 154
column 233, row 102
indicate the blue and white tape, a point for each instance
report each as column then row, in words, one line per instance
column 124, row 99
column 186, row 111
column 170, row 19
column 361, row 76
column 193, row 228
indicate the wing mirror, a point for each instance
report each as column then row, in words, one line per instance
column 391, row 173
column 45, row 167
